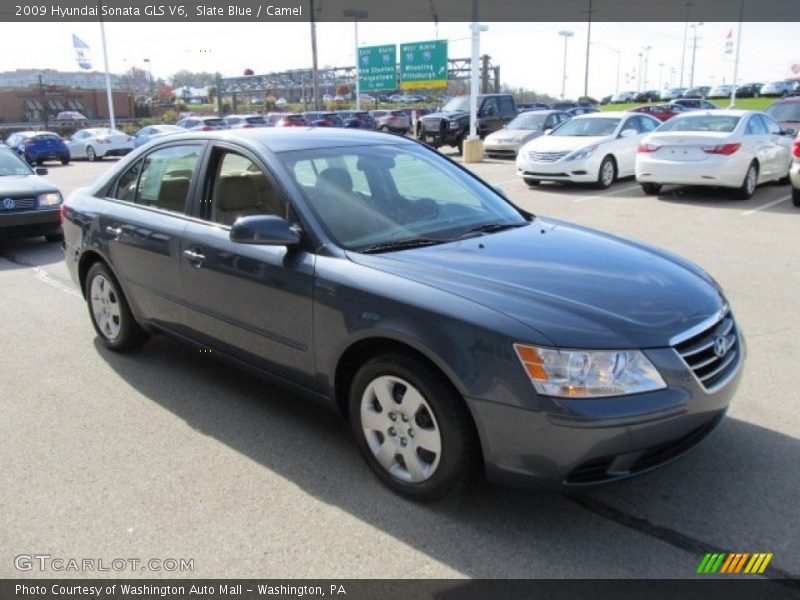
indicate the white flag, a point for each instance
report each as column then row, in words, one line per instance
column 81, row 52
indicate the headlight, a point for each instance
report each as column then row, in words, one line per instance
column 453, row 124
column 581, row 154
column 49, row 199
column 588, row 373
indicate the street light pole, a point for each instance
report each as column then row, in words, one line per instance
column 356, row 14
column 683, row 49
column 646, row 61
column 588, row 44
column 660, row 76
column 314, row 69
column 566, row 35
column 150, row 72
column 694, row 51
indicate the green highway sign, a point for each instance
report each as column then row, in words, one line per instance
column 423, row 64
column 377, row 68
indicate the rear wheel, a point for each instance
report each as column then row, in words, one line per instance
column 412, row 426
column 91, row 155
column 531, row 182
column 748, row 187
column 607, row 173
column 385, row 129
column 64, row 160
column 651, row 189
column 460, row 146
column 109, row 310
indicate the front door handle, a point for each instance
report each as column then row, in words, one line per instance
column 196, row 258
column 114, row 232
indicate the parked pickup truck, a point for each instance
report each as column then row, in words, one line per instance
column 450, row 127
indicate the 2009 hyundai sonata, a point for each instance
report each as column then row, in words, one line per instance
column 450, row 327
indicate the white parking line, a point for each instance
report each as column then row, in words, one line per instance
column 767, row 205
column 608, row 193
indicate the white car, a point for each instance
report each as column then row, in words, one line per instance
column 95, row 143
column 726, row 148
column 596, row 148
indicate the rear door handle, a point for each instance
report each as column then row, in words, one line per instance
column 196, row 258
column 114, row 232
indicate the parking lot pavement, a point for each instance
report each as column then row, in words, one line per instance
column 168, row 453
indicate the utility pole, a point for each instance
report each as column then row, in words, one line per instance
column 356, row 14
column 315, row 71
column 566, row 35
column 685, row 32
column 660, row 76
column 588, row 44
column 694, row 52
column 639, row 79
column 646, row 61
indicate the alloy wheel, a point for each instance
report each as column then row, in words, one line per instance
column 105, row 306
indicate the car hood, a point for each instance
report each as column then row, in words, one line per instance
column 564, row 143
column 446, row 115
column 24, row 184
column 578, row 288
column 512, row 135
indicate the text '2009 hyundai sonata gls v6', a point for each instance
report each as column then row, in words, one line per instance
column 447, row 325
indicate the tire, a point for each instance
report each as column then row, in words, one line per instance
column 531, row 182
column 748, row 187
column 651, row 189
column 460, row 146
column 91, row 155
column 389, row 431
column 385, row 129
column 65, row 161
column 54, row 237
column 39, row 161
column 109, row 311
column 796, row 196
column 606, row 174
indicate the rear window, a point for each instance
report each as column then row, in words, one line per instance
column 718, row 123
column 398, row 113
column 214, row 122
column 256, row 120
column 786, row 111
column 47, row 137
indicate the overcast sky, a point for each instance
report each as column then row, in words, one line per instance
column 529, row 54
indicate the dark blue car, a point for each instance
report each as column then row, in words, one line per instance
column 448, row 326
column 38, row 146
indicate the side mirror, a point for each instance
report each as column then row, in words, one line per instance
column 626, row 133
column 500, row 191
column 789, row 131
column 41, row 170
column 264, row 230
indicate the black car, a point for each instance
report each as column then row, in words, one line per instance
column 523, row 106
column 29, row 205
column 371, row 273
column 359, row 119
column 323, row 119
column 697, row 92
column 749, row 90
column 683, row 104
column 647, row 96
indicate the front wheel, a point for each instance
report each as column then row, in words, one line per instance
column 796, row 196
column 412, row 426
column 91, row 155
column 64, row 160
column 531, row 182
column 748, row 187
column 607, row 173
column 651, row 189
column 109, row 310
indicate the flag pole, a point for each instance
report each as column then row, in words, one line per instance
column 108, row 78
column 736, row 60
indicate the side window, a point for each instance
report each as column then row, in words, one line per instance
column 632, row 123
column 165, row 177
column 489, row 108
column 126, row 184
column 770, row 125
column 240, row 188
column 507, row 107
column 647, row 125
column 755, row 126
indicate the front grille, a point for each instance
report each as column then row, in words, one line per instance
column 433, row 125
column 712, row 354
column 546, row 156
column 7, row 204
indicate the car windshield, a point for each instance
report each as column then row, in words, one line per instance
column 11, row 164
column 788, row 111
column 720, row 123
column 378, row 198
column 590, row 127
column 531, row 120
column 459, row 104
column 214, row 122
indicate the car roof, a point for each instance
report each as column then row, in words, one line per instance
column 719, row 112
column 786, row 99
column 288, row 139
column 618, row 114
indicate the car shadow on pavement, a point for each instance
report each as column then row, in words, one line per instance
column 29, row 252
column 737, row 492
column 723, row 197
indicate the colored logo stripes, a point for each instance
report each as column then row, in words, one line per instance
column 735, row 562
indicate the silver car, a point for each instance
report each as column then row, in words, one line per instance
column 526, row 126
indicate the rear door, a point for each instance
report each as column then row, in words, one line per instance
column 142, row 225
column 757, row 138
column 253, row 302
column 781, row 150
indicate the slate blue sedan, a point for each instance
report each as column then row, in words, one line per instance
column 146, row 134
column 448, row 326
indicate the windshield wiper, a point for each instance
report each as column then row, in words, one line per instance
column 400, row 245
column 488, row 228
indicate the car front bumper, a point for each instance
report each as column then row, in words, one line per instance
column 499, row 148
column 29, row 222
column 584, row 442
column 577, row 171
